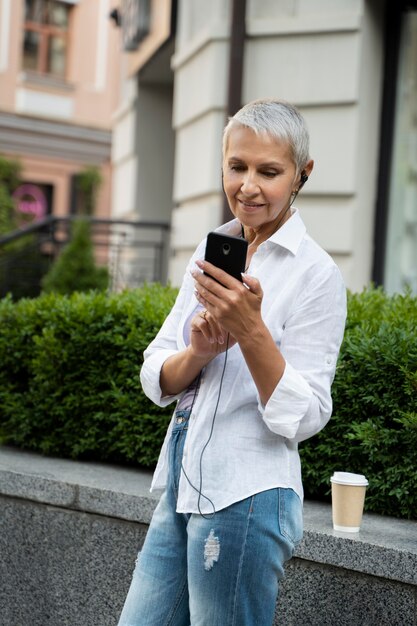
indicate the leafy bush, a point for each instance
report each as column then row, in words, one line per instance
column 373, row 430
column 21, row 262
column 69, row 374
column 10, row 173
column 69, row 386
column 75, row 269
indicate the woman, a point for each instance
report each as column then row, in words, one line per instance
column 250, row 364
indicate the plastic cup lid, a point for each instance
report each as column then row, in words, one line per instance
column 347, row 478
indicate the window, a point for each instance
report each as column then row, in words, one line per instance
column 401, row 250
column 395, row 249
column 46, row 36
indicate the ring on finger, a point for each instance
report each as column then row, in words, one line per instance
column 203, row 314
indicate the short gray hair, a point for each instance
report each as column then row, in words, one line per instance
column 278, row 119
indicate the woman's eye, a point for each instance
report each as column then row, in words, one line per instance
column 237, row 168
column 270, row 174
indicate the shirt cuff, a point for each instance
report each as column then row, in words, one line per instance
column 288, row 404
column 150, row 377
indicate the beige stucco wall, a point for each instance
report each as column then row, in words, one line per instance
column 159, row 31
column 142, row 149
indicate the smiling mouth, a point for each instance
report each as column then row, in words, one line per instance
column 251, row 205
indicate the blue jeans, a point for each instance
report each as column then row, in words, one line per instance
column 218, row 571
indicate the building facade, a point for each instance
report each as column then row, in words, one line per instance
column 59, row 87
column 349, row 65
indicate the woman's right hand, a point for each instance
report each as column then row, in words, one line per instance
column 208, row 338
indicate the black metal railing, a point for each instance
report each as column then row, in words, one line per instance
column 134, row 252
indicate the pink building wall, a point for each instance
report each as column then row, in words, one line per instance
column 57, row 127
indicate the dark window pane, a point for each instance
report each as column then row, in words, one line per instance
column 30, row 50
column 34, row 11
column 401, row 253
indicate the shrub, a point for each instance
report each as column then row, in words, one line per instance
column 69, row 374
column 21, row 262
column 373, row 429
column 10, row 173
column 75, row 269
column 69, row 386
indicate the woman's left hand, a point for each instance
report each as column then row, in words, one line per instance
column 234, row 305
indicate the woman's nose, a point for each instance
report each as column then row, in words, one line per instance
column 249, row 184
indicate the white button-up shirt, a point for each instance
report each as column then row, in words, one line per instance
column 254, row 447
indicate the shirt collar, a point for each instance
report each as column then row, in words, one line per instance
column 289, row 236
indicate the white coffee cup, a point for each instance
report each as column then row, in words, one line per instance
column 348, row 497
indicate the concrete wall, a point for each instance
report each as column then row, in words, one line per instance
column 200, row 65
column 324, row 56
column 70, row 532
column 327, row 58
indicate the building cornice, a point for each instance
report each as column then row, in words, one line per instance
column 28, row 135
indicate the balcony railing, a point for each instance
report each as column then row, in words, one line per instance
column 134, row 252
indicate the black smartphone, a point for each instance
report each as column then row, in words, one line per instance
column 227, row 252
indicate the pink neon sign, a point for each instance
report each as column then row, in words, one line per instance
column 31, row 201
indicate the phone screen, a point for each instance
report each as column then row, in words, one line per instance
column 227, row 252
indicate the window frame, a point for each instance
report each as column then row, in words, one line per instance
column 46, row 32
column 392, row 45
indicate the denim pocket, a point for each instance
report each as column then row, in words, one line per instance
column 290, row 516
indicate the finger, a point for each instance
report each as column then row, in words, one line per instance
column 200, row 324
column 219, row 275
column 210, row 329
column 200, row 298
column 253, row 284
column 217, row 332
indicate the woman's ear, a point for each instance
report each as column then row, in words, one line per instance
column 305, row 173
column 308, row 167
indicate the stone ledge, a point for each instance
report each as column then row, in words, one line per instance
column 385, row 547
column 91, row 487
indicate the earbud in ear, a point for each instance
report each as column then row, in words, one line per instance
column 303, row 179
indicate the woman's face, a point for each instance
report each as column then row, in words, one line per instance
column 259, row 177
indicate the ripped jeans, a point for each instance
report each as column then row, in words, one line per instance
column 223, row 571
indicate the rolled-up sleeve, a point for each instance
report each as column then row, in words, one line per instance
column 301, row 404
column 166, row 342
column 150, row 377
column 288, row 404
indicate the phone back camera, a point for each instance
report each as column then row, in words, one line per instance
column 226, row 248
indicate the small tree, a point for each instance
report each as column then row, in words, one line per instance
column 88, row 182
column 75, row 269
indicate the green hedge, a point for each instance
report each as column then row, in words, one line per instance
column 373, row 429
column 69, row 374
column 69, row 386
